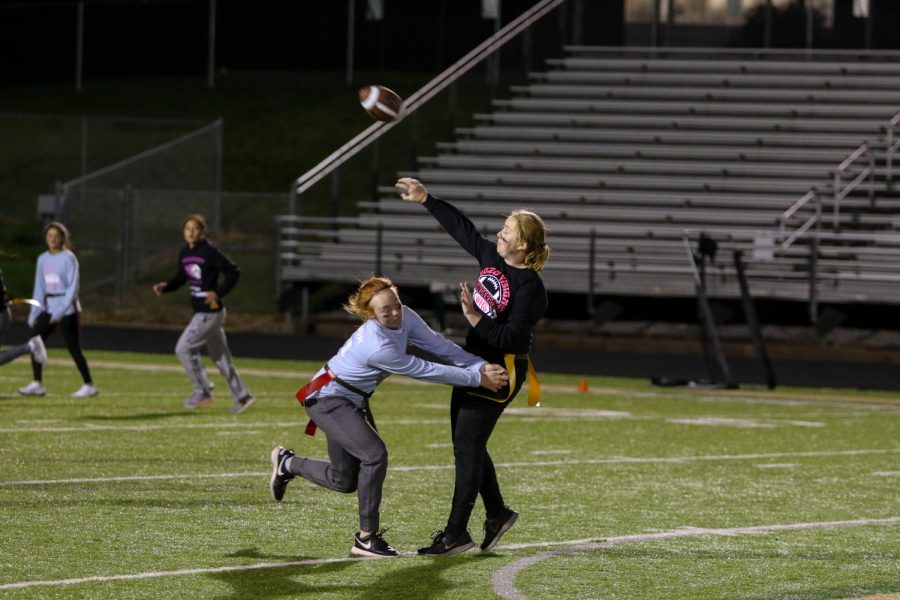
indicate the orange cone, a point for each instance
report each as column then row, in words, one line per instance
column 583, row 386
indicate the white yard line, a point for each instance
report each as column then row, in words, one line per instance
column 619, row 460
column 502, row 579
column 751, row 396
column 92, row 427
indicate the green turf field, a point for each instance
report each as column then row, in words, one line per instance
column 626, row 491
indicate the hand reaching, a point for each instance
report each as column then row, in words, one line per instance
column 493, row 377
column 467, row 304
column 159, row 288
column 412, row 190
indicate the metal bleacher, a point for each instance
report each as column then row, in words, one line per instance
column 624, row 152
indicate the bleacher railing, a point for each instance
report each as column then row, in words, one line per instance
column 891, row 148
column 423, row 95
column 812, row 223
column 846, row 170
column 853, row 171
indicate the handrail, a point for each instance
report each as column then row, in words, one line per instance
column 676, row 50
column 840, row 193
column 811, row 195
column 891, row 147
column 424, row 94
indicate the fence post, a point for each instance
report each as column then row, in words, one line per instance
column 336, row 193
column 836, row 198
column 871, row 175
column 376, row 156
column 217, row 176
column 79, row 45
column 60, row 206
column 814, row 267
column 379, row 233
column 124, row 243
column 592, row 267
column 890, row 156
column 293, row 198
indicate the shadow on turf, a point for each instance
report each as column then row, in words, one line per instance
column 279, row 582
column 420, row 580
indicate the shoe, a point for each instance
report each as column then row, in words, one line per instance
column 494, row 528
column 35, row 388
column 372, row 545
column 198, row 399
column 444, row 544
column 87, row 390
column 280, row 475
column 38, row 350
column 242, row 405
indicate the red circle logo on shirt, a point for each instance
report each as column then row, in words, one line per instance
column 491, row 294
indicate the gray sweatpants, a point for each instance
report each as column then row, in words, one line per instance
column 208, row 329
column 358, row 457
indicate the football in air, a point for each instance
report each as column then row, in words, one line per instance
column 381, row 103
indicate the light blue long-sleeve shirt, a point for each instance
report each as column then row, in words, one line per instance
column 374, row 351
column 56, row 284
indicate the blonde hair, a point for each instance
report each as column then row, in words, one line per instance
column 530, row 229
column 358, row 303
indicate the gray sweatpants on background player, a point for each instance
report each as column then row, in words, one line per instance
column 208, row 329
column 359, row 458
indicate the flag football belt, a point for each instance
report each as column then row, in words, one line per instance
column 321, row 381
column 534, row 386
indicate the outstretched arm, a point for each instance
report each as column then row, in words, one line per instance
column 457, row 224
column 393, row 361
column 424, row 337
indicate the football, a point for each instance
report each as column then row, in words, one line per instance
column 380, row 102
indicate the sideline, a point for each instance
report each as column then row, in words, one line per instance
column 619, row 460
column 502, row 579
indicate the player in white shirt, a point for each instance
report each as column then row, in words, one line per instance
column 56, row 285
column 337, row 401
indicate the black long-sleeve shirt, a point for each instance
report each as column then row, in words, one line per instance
column 200, row 267
column 511, row 299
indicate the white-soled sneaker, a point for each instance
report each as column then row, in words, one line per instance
column 85, row 391
column 373, row 544
column 35, row 388
column 242, row 405
column 38, row 350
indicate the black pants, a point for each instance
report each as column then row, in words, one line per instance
column 472, row 420
column 70, row 332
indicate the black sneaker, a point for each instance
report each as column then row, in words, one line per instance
column 280, row 476
column 494, row 528
column 444, row 544
column 373, row 544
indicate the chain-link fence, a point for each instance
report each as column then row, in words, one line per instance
column 126, row 218
column 41, row 148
